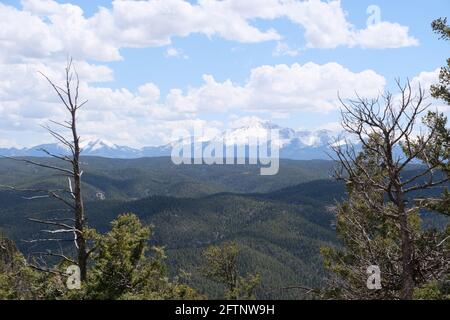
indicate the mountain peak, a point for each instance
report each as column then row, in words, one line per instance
column 97, row 144
column 294, row 144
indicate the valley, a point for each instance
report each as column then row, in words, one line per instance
column 280, row 222
column 277, row 221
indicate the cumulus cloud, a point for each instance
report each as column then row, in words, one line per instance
column 211, row 96
column 149, row 92
column 43, row 28
column 309, row 87
column 326, row 26
column 40, row 35
column 383, row 35
column 279, row 89
column 424, row 81
column 145, row 117
column 26, row 100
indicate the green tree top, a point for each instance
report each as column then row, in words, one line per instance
column 221, row 266
column 441, row 90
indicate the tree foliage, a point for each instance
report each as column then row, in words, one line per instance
column 442, row 89
column 379, row 224
column 372, row 238
column 126, row 267
column 221, row 266
column 123, row 266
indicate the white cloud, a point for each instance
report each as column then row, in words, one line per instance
column 175, row 53
column 384, row 35
column 66, row 28
column 40, row 35
column 172, row 52
column 308, row 87
column 123, row 115
column 326, row 26
column 45, row 28
column 283, row 49
column 279, row 89
column 325, row 23
column 154, row 23
column 144, row 117
column 24, row 34
column 149, row 92
column 424, row 81
column 211, row 96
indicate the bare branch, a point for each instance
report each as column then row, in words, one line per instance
column 39, row 164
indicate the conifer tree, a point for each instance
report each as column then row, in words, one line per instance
column 379, row 224
column 221, row 266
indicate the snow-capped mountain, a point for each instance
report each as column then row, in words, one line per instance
column 103, row 148
column 35, row 151
column 294, row 144
column 299, row 145
column 97, row 147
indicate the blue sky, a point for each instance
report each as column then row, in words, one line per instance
column 181, row 62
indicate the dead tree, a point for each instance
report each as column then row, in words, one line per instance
column 387, row 128
column 71, row 196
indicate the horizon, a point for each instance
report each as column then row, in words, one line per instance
column 89, row 141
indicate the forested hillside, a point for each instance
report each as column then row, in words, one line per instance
column 280, row 232
column 137, row 178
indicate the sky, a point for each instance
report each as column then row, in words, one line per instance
column 150, row 67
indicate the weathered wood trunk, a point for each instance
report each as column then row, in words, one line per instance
column 79, row 206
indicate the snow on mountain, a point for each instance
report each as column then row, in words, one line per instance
column 96, row 147
column 314, row 139
column 301, row 144
column 257, row 129
column 98, row 144
column 104, row 148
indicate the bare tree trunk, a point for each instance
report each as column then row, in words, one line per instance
column 380, row 126
column 407, row 251
column 79, row 206
column 71, row 197
column 407, row 276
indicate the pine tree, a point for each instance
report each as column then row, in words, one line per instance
column 18, row 281
column 440, row 289
column 379, row 224
column 221, row 266
column 126, row 267
column 371, row 237
column 442, row 89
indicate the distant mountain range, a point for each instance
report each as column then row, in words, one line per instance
column 294, row 144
